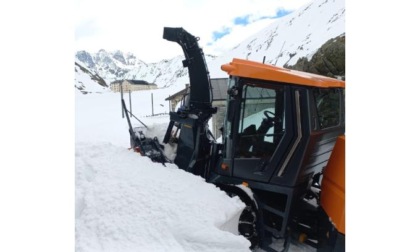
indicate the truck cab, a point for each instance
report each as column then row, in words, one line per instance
column 280, row 129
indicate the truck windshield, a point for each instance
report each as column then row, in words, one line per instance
column 260, row 122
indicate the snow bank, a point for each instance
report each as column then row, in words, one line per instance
column 124, row 202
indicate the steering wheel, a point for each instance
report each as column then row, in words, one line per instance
column 270, row 115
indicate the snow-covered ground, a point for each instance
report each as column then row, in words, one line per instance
column 125, row 202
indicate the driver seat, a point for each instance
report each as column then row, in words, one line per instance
column 246, row 140
column 259, row 144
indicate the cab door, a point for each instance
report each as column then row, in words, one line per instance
column 260, row 130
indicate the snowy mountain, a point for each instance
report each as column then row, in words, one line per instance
column 117, row 65
column 87, row 82
column 297, row 35
column 110, row 65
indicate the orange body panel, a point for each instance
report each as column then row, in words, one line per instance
column 333, row 186
column 251, row 69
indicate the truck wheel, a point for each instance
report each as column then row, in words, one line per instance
column 248, row 220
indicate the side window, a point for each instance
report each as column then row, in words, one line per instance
column 328, row 107
column 261, row 122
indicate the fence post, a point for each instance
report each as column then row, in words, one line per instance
column 129, row 95
column 122, row 98
column 152, row 106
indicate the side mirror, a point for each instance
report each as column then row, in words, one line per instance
column 233, row 91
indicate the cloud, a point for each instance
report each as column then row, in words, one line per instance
column 87, row 28
column 241, row 28
column 134, row 26
column 241, row 20
column 219, row 34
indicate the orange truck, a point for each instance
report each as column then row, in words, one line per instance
column 283, row 139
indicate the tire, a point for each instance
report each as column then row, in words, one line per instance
column 248, row 220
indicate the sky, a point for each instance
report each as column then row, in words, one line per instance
column 133, row 26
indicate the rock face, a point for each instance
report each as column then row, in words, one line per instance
column 329, row 60
column 110, row 66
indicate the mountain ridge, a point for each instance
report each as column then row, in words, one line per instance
column 286, row 40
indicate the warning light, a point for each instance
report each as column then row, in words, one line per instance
column 224, row 166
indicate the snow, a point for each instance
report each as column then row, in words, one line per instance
column 84, row 81
column 125, row 202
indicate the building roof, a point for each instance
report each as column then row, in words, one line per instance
column 133, row 82
column 139, row 82
column 179, row 93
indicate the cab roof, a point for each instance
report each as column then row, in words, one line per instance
column 256, row 70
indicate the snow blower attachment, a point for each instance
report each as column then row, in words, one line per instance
column 280, row 129
column 149, row 147
column 195, row 139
